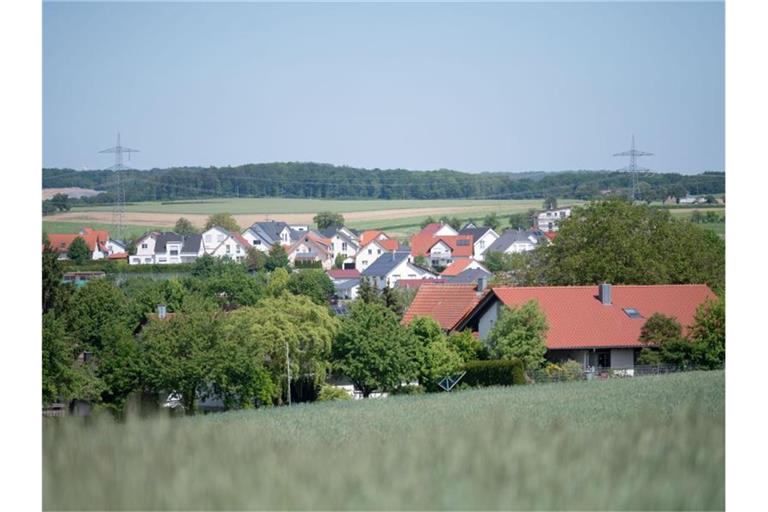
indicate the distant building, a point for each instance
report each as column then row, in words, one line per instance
column 549, row 220
column 165, row 248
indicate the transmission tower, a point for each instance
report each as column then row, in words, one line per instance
column 118, row 210
column 633, row 154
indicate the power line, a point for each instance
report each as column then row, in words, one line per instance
column 633, row 155
column 118, row 210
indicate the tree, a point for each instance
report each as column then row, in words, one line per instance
column 618, row 242
column 427, row 221
column 373, row 350
column 327, row 219
column 520, row 332
column 421, row 261
column 58, row 360
column 54, row 292
column 438, row 359
column 312, row 283
column 255, row 259
column 118, row 365
column 519, row 221
column 550, row 203
column 708, row 332
column 78, row 251
column 454, row 222
column 225, row 281
column 94, row 309
column 492, row 221
column 368, row 293
column 467, row 346
column 659, row 329
column 278, row 282
column 277, row 258
column 338, row 262
column 61, row 202
column 295, row 322
column 184, row 227
column 222, row 220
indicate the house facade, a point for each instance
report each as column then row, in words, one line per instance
column 390, row 267
column 482, row 239
column 371, row 251
column 224, row 244
column 165, row 248
column 515, row 241
column 549, row 220
column 311, row 248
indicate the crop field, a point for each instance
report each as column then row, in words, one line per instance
column 625, row 444
column 362, row 214
column 131, row 230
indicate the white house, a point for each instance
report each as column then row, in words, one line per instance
column 371, row 251
column 165, row 248
column 482, row 238
column 342, row 240
column 224, row 244
column 390, row 267
column 311, row 247
column 548, row 221
column 263, row 235
column 514, row 241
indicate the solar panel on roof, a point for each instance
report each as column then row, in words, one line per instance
column 463, row 242
column 632, row 313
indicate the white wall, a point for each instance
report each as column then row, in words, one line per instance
column 482, row 243
column 256, row 241
column 213, row 238
column 364, row 259
column 488, row 320
column 446, row 230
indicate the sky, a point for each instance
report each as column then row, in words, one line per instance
column 471, row 87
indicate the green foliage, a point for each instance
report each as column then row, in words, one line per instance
column 54, row 293
column 94, row 309
column 708, row 332
column 454, row 222
column 397, row 299
column 550, row 203
column 118, row 366
column 519, row 221
column 255, row 260
column 307, row 264
column 421, row 261
column 225, row 281
column 78, row 251
column 618, row 242
column 368, row 293
column 222, row 220
column 314, row 284
column 467, row 345
column 338, row 262
column 427, row 221
column 659, row 329
column 373, row 350
column 327, row 219
column 492, row 221
column 58, row 360
column 277, row 282
column 569, row 370
column 495, row 372
column 330, row 393
column 184, row 227
column 277, row 258
column 520, row 333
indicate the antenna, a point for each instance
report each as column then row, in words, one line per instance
column 633, row 154
column 118, row 210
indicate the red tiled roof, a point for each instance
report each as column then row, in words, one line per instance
column 369, row 235
column 343, row 273
column 445, row 303
column 577, row 318
column 421, row 244
column 118, row 256
column 390, row 244
column 61, row 241
column 550, row 234
column 241, row 240
column 430, row 229
column 459, row 266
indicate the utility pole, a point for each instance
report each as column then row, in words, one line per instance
column 118, row 209
column 632, row 167
column 288, row 368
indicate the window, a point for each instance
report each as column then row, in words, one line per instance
column 550, row 225
column 378, row 251
column 632, row 313
column 604, row 358
column 365, row 262
column 481, row 244
column 143, row 246
column 174, row 252
column 161, row 260
column 343, row 246
column 238, row 249
column 147, row 260
column 370, row 251
column 228, row 249
column 257, row 242
column 462, row 243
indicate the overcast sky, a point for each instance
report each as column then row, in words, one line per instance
column 471, row 87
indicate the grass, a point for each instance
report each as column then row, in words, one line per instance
column 131, row 230
column 644, row 443
column 276, row 205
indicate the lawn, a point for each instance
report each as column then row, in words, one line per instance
column 625, row 444
column 131, row 231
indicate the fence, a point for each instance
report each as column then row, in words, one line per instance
column 566, row 374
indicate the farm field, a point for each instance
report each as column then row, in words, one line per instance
column 624, row 444
column 131, row 230
column 362, row 214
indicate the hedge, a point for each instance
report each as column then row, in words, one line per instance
column 496, row 372
column 122, row 267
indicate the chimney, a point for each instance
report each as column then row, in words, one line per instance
column 604, row 293
column 481, row 284
column 161, row 311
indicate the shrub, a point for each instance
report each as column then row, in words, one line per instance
column 409, row 389
column 329, row 393
column 496, row 372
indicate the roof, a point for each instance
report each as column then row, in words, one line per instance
column 459, row 266
column 551, row 235
column 189, row 243
column 389, row 244
column 61, row 241
column 511, row 236
column 343, row 273
column 461, row 245
column 347, row 284
column 430, row 229
column 577, row 318
column 415, row 283
column 371, row 234
column 385, row 263
column 270, row 231
column 475, row 233
column 445, row 303
column 118, row 256
column 469, row 276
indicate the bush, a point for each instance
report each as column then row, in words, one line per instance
column 496, row 372
column 409, row 389
column 328, row 393
column 569, row 370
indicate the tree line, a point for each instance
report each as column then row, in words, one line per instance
column 325, row 181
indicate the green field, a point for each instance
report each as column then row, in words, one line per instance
column 276, row 205
column 132, row 231
column 624, row 444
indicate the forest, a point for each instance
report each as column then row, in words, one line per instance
column 326, row 181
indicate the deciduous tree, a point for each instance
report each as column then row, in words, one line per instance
column 327, row 219
column 78, row 251
column 520, row 332
column 184, row 227
column 222, row 220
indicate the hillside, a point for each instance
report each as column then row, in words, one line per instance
column 624, row 444
column 325, row 181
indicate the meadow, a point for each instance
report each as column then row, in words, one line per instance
column 625, row 444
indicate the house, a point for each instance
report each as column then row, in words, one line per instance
column 343, row 241
column 165, row 248
column 597, row 326
column 263, row 235
column 98, row 243
column 225, row 244
column 549, row 220
column 482, row 238
column 470, row 275
column 372, row 234
column 441, row 250
column 370, row 251
column 392, row 266
column 446, row 303
column 514, row 241
column 437, row 229
column 311, row 247
column 413, row 284
column 459, row 266
column 346, row 282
